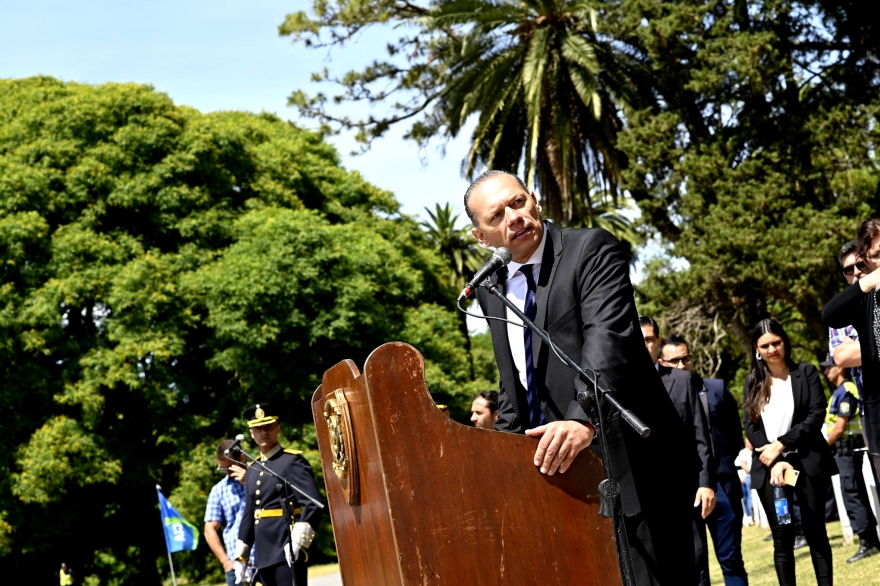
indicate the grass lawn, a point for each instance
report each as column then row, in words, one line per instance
column 758, row 556
column 314, row 572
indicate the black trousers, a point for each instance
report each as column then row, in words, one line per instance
column 661, row 554
column 810, row 492
column 855, row 494
column 279, row 574
column 701, row 549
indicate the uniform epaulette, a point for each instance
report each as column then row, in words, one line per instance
column 292, row 451
column 250, row 464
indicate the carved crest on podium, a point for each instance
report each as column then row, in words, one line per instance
column 338, row 420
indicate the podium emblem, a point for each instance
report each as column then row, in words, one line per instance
column 338, row 420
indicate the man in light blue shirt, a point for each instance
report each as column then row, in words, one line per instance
column 225, row 509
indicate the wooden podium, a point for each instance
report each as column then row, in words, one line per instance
column 419, row 499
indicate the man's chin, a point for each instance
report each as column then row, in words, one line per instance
column 524, row 246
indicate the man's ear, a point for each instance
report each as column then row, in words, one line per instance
column 480, row 236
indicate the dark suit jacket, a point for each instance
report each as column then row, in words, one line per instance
column 727, row 435
column 805, row 434
column 684, row 390
column 856, row 308
column 585, row 302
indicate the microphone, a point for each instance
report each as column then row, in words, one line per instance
column 235, row 445
column 501, row 258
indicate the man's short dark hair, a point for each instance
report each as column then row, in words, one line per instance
column 491, row 398
column 649, row 321
column 869, row 230
column 477, row 182
column 674, row 341
column 851, row 247
column 224, row 445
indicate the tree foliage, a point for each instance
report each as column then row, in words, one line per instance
column 760, row 158
column 161, row 270
column 543, row 82
column 744, row 130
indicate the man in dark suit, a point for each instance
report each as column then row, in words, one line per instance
column 684, row 390
column 725, row 521
column 575, row 283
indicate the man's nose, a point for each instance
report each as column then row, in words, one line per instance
column 510, row 216
column 680, row 365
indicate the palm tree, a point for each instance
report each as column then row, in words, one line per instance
column 600, row 210
column 548, row 90
column 454, row 244
column 462, row 253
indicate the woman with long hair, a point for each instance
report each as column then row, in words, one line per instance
column 783, row 411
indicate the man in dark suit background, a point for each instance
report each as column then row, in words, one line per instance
column 575, row 284
column 725, row 521
column 684, row 390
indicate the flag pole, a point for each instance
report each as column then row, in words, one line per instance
column 173, row 581
column 167, row 546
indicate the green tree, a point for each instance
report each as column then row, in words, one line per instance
column 162, row 269
column 456, row 245
column 543, row 80
column 759, row 159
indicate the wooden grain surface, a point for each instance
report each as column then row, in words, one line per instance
column 364, row 538
column 448, row 504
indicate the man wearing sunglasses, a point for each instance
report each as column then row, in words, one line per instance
column 722, row 412
column 684, row 389
column 843, row 344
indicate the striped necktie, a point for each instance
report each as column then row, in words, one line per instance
column 536, row 417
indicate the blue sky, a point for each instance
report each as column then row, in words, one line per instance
column 218, row 55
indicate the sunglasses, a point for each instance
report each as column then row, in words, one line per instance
column 686, row 359
column 850, row 269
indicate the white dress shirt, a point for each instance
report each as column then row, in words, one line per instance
column 515, row 290
column 778, row 412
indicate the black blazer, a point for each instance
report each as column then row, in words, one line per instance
column 727, row 435
column 805, row 434
column 585, row 302
column 853, row 307
column 684, row 390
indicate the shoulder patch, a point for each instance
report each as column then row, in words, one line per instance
column 844, row 407
column 292, row 451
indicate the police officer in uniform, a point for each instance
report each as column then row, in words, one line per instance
column 263, row 520
column 845, row 438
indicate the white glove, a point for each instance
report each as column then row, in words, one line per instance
column 249, row 574
column 242, row 552
column 240, row 569
column 291, row 552
column 303, row 534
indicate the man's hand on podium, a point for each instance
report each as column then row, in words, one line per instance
column 561, row 442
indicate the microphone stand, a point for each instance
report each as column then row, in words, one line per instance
column 285, row 486
column 609, row 489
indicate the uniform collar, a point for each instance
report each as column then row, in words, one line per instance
column 271, row 453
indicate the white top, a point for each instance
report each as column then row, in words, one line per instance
column 515, row 290
column 777, row 413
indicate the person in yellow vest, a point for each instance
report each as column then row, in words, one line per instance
column 844, row 429
column 66, row 575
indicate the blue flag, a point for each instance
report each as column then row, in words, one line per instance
column 179, row 533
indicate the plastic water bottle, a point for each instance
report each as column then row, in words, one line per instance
column 783, row 515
